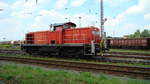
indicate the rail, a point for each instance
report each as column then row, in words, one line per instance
column 135, row 72
column 112, row 58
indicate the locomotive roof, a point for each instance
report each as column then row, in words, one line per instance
column 61, row 24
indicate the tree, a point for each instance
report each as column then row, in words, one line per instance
column 129, row 36
column 145, row 33
column 138, row 34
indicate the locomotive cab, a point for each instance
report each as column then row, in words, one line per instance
column 69, row 25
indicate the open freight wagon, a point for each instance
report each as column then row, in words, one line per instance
column 129, row 43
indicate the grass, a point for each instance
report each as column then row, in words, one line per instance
column 75, row 60
column 9, row 46
column 21, row 74
column 131, row 51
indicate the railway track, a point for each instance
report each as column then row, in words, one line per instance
column 127, row 56
column 123, row 58
column 6, row 51
column 136, row 72
column 109, row 54
column 114, row 58
column 128, row 53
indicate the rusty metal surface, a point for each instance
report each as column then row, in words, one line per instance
column 130, row 43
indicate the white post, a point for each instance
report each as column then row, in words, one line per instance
column 92, row 47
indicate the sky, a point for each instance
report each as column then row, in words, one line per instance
column 124, row 17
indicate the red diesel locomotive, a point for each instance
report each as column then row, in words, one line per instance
column 63, row 40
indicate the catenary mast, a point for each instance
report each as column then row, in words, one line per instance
column 102, row 19
column 103, row 34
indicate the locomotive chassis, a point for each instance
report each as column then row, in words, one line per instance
column 62, row 50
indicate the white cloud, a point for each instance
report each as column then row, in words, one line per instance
column 115, row 20
column 147, row 16
column 140, row 8
column 126, row 29
column 46, row 18
column 61, row 3
column 76, row 3
column 86, row 20
column 20, row 9
column 21, row 5
column 40, row 19
column 53, row 16
column 3, row 5
column 12, row 29
column 22, row 14
column 120, row 24
column 114, row 2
